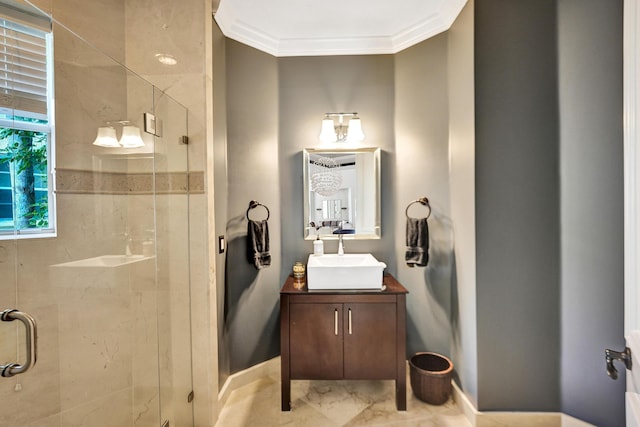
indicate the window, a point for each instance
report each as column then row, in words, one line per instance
column 27, row 204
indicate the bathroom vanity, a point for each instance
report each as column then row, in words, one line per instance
column 334, row 335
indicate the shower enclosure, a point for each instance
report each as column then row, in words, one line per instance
column 110, row 293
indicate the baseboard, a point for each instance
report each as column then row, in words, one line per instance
column 463, row 403
column 569, row 421
column 521, row 419
column 476, row 419
column 247, row 376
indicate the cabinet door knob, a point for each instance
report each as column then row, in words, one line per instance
column 350, row 330
column 335, row 321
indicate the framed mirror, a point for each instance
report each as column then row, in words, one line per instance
column 341, row 193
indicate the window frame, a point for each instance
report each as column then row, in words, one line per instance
column 48, row 129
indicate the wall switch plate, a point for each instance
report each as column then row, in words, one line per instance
column 222, row 243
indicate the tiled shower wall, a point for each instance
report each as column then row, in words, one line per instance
column 99, row 328
column 131, row 32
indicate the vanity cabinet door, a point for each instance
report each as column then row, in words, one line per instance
column 370, row 340
column 315, row 337
column 343, row 335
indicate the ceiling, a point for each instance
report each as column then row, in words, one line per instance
column 334, row 27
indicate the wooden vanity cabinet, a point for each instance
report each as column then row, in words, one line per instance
column 333, row 335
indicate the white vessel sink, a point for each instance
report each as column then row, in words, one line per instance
column 348, row 271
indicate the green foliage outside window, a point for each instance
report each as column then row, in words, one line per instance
column 27, row 151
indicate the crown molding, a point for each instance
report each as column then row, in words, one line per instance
column 429, row 27
column 233, row 27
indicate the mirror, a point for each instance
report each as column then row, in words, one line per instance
column 341, row 193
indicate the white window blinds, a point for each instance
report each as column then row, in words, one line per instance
column 23, row 68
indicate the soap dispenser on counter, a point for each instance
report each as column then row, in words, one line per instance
column 318, row 246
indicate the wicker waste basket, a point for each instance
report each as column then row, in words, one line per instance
column 431, row 377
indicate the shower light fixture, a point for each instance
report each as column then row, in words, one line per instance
column 106, row 137
column 130, row 136
column 352, row 132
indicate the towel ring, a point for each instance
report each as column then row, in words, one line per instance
column 423, row 201
column 253, row 204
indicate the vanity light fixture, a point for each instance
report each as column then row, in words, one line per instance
column 130, row 136
column 351, row 132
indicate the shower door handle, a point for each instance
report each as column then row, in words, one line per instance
column 31, row 336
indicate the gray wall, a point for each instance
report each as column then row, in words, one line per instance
column 517, row 205
column 549, row 200
column 309, row 87
column 422, row 169
column 251, row 298
column 405, row 95
column 591, row 160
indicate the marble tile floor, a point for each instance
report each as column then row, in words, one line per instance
column 333, row 404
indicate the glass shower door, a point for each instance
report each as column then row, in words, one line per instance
column 172, row 242
column 110, row 292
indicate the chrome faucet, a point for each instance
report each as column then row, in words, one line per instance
column 340, row 245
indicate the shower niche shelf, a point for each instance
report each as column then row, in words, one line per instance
column 106, row 261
